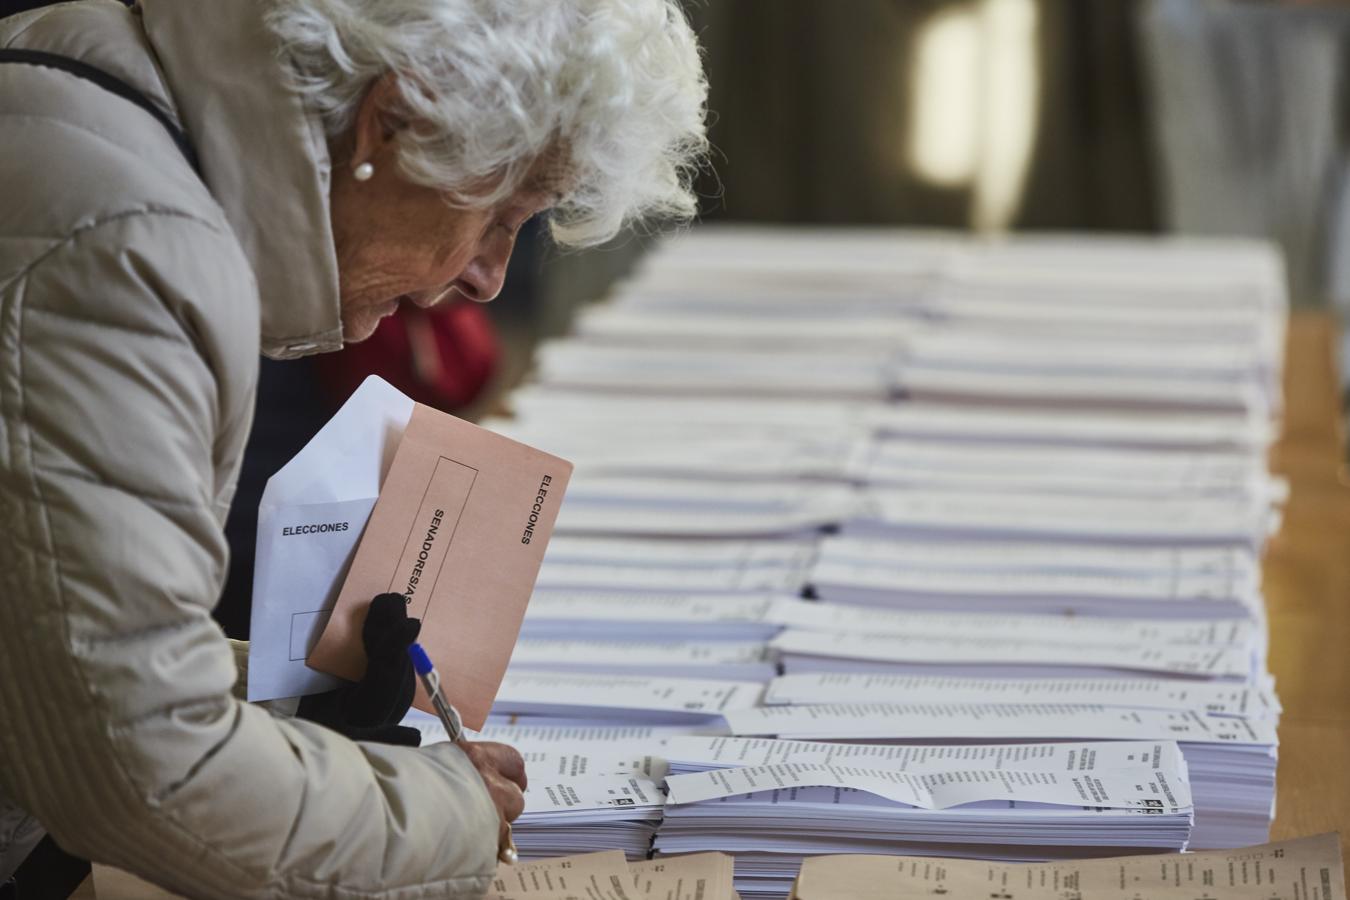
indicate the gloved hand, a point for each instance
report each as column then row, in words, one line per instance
column 371, row 709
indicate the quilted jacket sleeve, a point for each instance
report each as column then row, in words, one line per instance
column 118, row 729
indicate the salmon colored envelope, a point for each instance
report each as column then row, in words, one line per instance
column 460, row 528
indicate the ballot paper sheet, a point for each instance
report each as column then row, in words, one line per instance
column 1146, row 789
column 608, row 875
column 460, row 529
column 1308, row 868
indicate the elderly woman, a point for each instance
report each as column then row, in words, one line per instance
column 182, row 185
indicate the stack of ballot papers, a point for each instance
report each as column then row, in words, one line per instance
column 1029, row 657
column 1059, row 470
column 1231, row 760
column 587, row 814
column 727, row 660
column 1011, row 429
column 696, row 703
column 1038, row 576
column 1299, row 869
column 590, row 788
column 677, row 616
column 548, row 415
column 1131, row 521
column 1213, row 699
column 1022, row 647
column 772, row 803
column 597, row 565
column 938, row 536
column 706, row 508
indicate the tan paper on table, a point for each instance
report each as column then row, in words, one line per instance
column 460, row 527
column 1303, row 869
column 609, row 876
column 699, row 876
column 592, row 876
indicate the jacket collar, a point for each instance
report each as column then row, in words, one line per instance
column 264, row 157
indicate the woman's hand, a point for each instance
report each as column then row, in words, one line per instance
column 371, row 709
column 503, row 771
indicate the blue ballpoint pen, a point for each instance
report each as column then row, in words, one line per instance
column 454, row 726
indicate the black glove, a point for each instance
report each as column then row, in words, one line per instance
column 371, row 709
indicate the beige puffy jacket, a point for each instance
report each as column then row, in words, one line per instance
column 134, row 300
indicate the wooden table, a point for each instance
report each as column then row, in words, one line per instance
column 1307, row 586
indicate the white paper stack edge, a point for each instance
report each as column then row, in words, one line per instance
column 1245, row 701
column 638, row 616
column 706, row 508
column 823, row 638
column 1039, row 577
column 1022, row 647
column 576, row 564
column 559, row 419
column 835, row 622
column 815, row 651
column 772, row 803
column 695, row 703
column 1067, row 518
column 688, row 367
column 1085, row 471
column 726, row 660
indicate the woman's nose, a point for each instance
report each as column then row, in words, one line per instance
column 481, row 280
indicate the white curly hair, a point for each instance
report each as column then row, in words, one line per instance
column 613, row 87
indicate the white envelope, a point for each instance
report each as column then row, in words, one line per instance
column 309, row 522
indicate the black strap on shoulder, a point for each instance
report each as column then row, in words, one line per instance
column 109, row 83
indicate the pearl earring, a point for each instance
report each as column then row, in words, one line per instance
column 363, row 172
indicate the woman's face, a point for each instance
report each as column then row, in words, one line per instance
column 402, row 243
column 399, row 242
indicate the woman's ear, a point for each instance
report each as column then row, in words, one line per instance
column 378, row 120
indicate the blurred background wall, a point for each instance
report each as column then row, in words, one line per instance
column 1203, row 116
column 1189, row 116
column 987, row 114
column 1185, row 116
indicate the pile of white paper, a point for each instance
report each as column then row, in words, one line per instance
column 995, row 509
column 1038, row 576
column 1231, row 759
column 1223, row 521
column 587, row 814
column 594, row 565
column 1029, row 657
column 781, row 801
column 823, row 689
column 730, row 660
column 693, row 702
column 639, row 616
